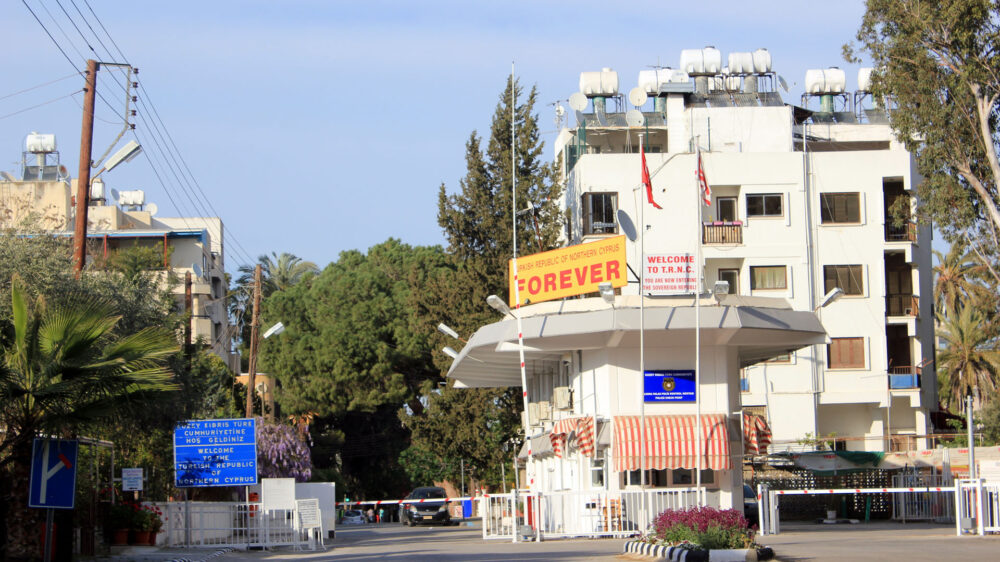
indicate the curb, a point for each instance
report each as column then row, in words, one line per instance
column 679, row 554
column 215, row 554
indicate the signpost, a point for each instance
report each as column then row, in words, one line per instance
column 53, row 480
column 131, row 479
column 215, row 453
column 669, row 386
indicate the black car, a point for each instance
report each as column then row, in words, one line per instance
column 433, row 509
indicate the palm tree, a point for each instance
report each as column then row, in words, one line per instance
column 956, row 277
column 277, row 274
column 62, row 373
column 970, row 364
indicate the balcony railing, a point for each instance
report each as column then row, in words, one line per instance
column 722, row 232
column 904, row 377
column 904, row 233
column 902, row 305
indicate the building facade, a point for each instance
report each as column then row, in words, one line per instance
column 45, row 196
column 801, row 203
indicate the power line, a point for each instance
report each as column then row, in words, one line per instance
column 26, row 90
column 71, row 94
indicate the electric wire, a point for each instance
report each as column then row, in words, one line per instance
column 53, row 100
column 49, row 83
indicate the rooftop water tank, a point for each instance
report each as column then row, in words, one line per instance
column 602, row 83
column 701, row 61
column 865, row 79
column 134, row 197
column 829, row 81
column 36, row 143
column 741, row 63
column 761, row 61
column 713, row 59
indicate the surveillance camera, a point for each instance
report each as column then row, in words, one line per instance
column 567, row 362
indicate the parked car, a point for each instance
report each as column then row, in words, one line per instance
column 750, row 511
column 352, row 517
column 428, row 511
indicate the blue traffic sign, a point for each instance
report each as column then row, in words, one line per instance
column 53, row 473
column 215, row 453
column 669, row 386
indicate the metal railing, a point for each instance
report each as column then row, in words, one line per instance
column 903, row 377
column 977, row 507
column 579, row 513
column 230, row 524
column 922, row 506
column 904, row 233
column 902, row 305
column 722, row 233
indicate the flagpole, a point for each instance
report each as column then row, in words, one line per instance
column 642, row 337
column 517, row 296
column 697, row 314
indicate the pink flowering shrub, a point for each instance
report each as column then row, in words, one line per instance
column 703, row 527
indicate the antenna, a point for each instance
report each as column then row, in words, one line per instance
column 560, row 115
column 578, row 101
column 634, row 118
column 637, row 96
column 628, row 227
column 152, row 208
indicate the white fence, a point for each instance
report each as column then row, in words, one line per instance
column 234, row 525
column 923, row 506
column 977, row 507
column 578, row 513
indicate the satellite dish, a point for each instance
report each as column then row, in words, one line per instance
column 7, row 177
column 634, row 118
column 560, row 115
column 581, row 119
column 152, row 208
column 114, row 194
column 782, row 83
column 628, row 227
column 578, row 101
column 196, row 269
column 637, row 96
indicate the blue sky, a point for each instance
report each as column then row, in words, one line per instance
column 315, row 127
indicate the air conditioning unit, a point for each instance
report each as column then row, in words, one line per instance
column 533, row 413
column 544, row 411
column 562, row 398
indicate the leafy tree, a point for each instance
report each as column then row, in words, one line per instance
column 277, row 273
column 938, row 68
column 64, row 372
column 970, row 365
column 479, row 424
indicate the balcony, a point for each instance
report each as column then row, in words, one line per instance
column 722, row 232
column 904, row 233
column 905, row 377
column 902, row 305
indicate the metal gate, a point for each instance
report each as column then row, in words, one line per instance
column 922, row 506
column 977, row 507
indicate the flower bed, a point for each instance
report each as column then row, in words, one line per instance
column 700, row 534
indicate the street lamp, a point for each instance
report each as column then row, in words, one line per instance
column 497, row 304
column 607, row 293
column 450, row 352
column 830, row 298
column 446, row 330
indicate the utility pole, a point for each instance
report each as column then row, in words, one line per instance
column 188, row 313
column 83, row 178
column 253, row 341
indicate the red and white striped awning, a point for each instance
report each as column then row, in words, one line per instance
column 580, row 429
column 671, row 442
column 756, row 434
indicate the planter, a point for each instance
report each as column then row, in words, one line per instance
column 152, row 538
column 141, row 537
column 119, row 536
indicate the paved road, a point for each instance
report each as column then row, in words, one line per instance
column 396, row 542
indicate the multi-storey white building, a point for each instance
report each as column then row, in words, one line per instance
column 800, row 204
column 45, row 195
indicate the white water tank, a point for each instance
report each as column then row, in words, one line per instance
column 713, row 60
column 36, row 143
column 599, row 84
column 762, row 61
column 836, row 80
column 134, row 197
column 865, row 79
column 97, row 189
column 741, row 63
column 701, row 61
column 651, row 80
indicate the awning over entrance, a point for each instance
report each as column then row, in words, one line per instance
column 671, row 442
column 578, row 432
column 756, row 434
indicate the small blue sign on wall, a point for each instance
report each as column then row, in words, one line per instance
column 669, row 386
column 215, row 453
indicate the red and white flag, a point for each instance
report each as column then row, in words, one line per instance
column 706, row 192
column 645, row 178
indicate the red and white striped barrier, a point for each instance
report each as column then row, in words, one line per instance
column 861, row 491
column 377, row 503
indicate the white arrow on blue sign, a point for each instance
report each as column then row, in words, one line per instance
column 53, row 473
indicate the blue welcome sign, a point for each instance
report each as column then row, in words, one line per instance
column 669, row 386
column 215, row 453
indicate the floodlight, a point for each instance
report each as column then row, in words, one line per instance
column 831, row 297
column 126, row 154
column 274, row 330
column 607, row 292
column 446, row 330
column 721, row 288
column 497, row 304
column 450, row 352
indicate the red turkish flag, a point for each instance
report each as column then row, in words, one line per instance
column 645, row 179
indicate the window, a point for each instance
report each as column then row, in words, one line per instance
column 764, row 205
column 597, row 473
column 847, row 277
column 846, row 353
column 599, row 213
column 768, row 277
column 685, row 476
column 725, row 209
column 731, row 276
column 786, row 358
column 840, row 208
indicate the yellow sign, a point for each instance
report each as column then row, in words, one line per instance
column 567, row 272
